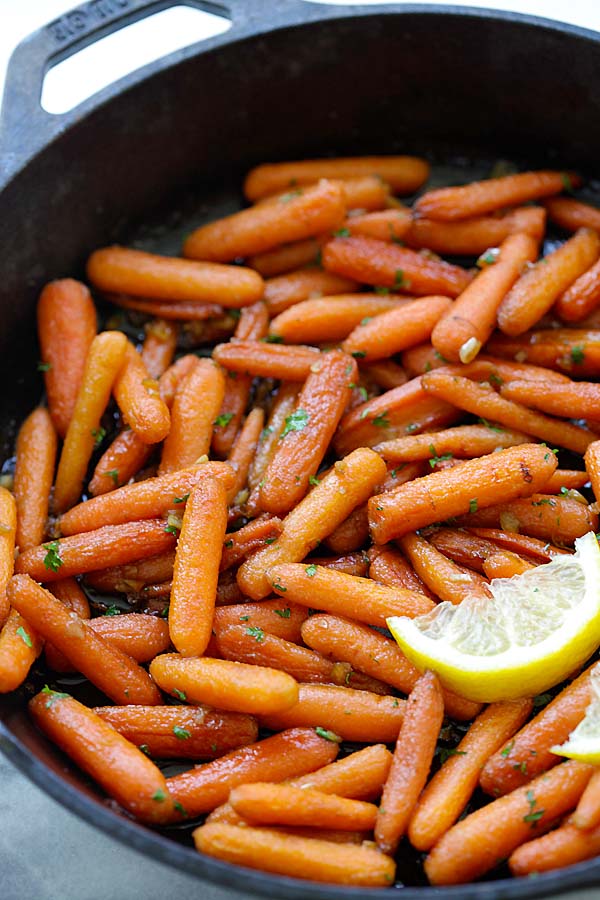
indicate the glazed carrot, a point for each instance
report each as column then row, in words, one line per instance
column 283, row 620
column 66, row 319
column 111, row 670
column 197, row 402
column 148, row 275
column 587, row 814
column 572, row 350
column 240, row 544
column 505, row 564
column 557, row 519
column 572, row 400
column 463, row 442
column 283, row 405
column 365, row 193
column 536, row 290
column 133, row 576
column 308, row 432
column 262, row 803
column 496, row 371
column 139, row 400
column 440, row 574
column 350, row 563
column 528, row 754
column 385, row 225
column 346, row 595
column 388, row 265
column 482, row 401
column 520, row 543
column 159, row 346
column 350, row 714
column 562, row 847
column 34, row 473
column 480, row 197
column 227, row 685
column 592, row 466
column 466, row 326
column 287, row 257
column 131, row 778
column 388, row 566
column 463, row 546
column 412, row 760
column 581, row 298
column 192, row 732
column 20, row 646
column 420, row 359
column 403, row 173
column 174, row 310
column 572, row 214
column 330, row 318
column 352, row 533
column 446, row 795
column 294, row 752
column 374, row 654
column 297, row 857
column 72, row 595
column 395, row 330
column 476, row 844
column 267, row 360
column 473, row 236
column 103, row 363
column 196, row 568
column 304, row 284
column 244, row 450
column 569, row 479
column 140, row 636
column 475, row 484
column 386, row 373
column 347, row 485
column 293, row 217
column 8, row 526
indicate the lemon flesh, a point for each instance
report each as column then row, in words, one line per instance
column 534, row 631
column 584, row 741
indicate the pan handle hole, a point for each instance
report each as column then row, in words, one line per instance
column 81, row 75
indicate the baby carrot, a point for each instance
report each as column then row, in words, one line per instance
column 139, row 400
column 121, row 461
column 557, row 519
column 349, row 714
column 174, row 310
column 352, row 533
column 446, row 795
column 283, row 620
column 197, row 402
column 290, row 754
column 465, row 327
column 476, row 844
column 386, row 373
column 572, row 214
column 562, row 847
column 103, row 363
column 505, row 564
column 385, row 225
column 329, row 319
column 366, row 193
column 411, row 763
column 473, row 236
column 522, row 544
column 536, row 290
column 262, row 803
column 482, row 401
column 244, row 450
column 388, row 566
column 345, row 595
column 292, row 217
column 246, row 540
column 138, row 635
column 285, row 291
column 388, row 265
column 308, row 432
column 528, row 754
column 227, row 685
column 112, row 671
column 19, row 648
column 478, row 483
column 159, row 346
column 572, row 350
column 296, row 857
column 395, row 330
column 8, row 526
column 592, row 466
column 581, row 298
column 133, row 780
column 287, row 257
column 480, row 197
column 192, row 732
column 587, row 813
column 346, row 486
column 463, row 442
column 196, row 568
column 463, row 547
column 148, row 275
column 572, row 400
column 442, row 576
column 267, row 360
column 66, row 319
column 143, row 500
column 34, row 473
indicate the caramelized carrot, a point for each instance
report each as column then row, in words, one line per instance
column 283, row 405
column 159, row 346
column 587, row 814
column 505, row 564
column 138, row 398
column 447, row 580
column 8, row 527
column 267, row 360
column 287, row 257
column 330, row 318
column 284, row 620
column 303, row 284
column 560, row 520
column 174, row 310
column 20, row 646
column 575, row 351
column 572, row 400
column 473, row 236
column 395, row 330
column 572, row 214
column 388, row 566
column 463, row 442
column 244, row 449
column 34, row 473
column 262, row 803
column 385, row 225
column 352, row 533
column 581, row 298
column 562, row 847
column 519, row 543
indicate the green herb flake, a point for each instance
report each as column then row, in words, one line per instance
column 171, row 528
column 279, row 587
column 541, row 700
column 439, row 356
column 445, row 753
column 285, row 198
column 98, row 434
column 507, row 750
column 495, row 379
column 145, row 749
column 328, row 735
column 182, row 734
column 437, row 459
column 112, row 610
column 400, row 280
column 311, row 570
column 359, row 354
column 313, row 480
column 567, row 182
column 283, row 613
column 577, row 355
column 272, row 339
column 545, row 501
column 178, row 807
column 382, row 291
column 270, row 540
column 342, row 232
column 114, row 474
column 490, row 425
column 52, row 560
column 488, row 258
column 411, row 428
column 44, row 366
column 244, row 618
column 181, row 695
column 181, row 499
column 473, row 505
column 159, row 796
column 256, row 632
column 223, row 420
column 53, row 696
column 366, row 320
column 228, row 544
column 296, row 421
column 534, row 815
column 24, row 636
column 381, row 421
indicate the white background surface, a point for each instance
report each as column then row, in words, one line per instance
column 45, row 853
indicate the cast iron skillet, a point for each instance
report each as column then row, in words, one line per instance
column 170, row 142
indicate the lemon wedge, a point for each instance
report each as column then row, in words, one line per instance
column 534, row 631
column 584, row 741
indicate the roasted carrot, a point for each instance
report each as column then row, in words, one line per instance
column 572, row 400
column 292, row 217
column 562, row 847
column 463, row 546
column 592, row 466
column 8, row 526
column 565, row 480
column 505, row 564
column 176, row 310
column 496, row 371
column 285, row 291
column 148, row 275
column 133, row 576
column 365, row 193
column 388, row 566
column 587, row 813
column 115, row 673
column 349, row 714
column 386, row 373
column 536, row 290
column 193, row 732
column 473, row 236
column 480, row 197
column 352, row 533
column 385, row 225
column 350, row 563
column 467, row 324
column 297, row 857
column 284, row 620
column 582, row 297
column 288, row 256
column 267, row 360
column 133, row 780
column 283, row 405
column 482, row 401
column 20, row 645
column 391, row 266
column 572, row 214
column 475, row 484
column 66, row 320
column 412, row 760
column 330, row 318
column 463, row 442
column 244, row 449
column 159, row 346
column 575, row 351
column 476, row 844
column 557, row 519
column 308, row 432
column 347, row 485
column 522, row 544
column 34, row 474
column 102, row 366
column 395, row 330
column 262, row 803
column 138, row 398
column 442, row 576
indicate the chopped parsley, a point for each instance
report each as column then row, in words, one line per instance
column 507, row 749
column 228, row 544
column 112, row 610
column 53, row 696
column 311, row 570
column 98, row 434
column 296, row 421
column 279, row 587
column 285, row 198
column 400, row 280
column 577, row 355
column 180, row 694
column 382, row 291
column 328, row 735
column 313, row 480
column 24, row 637
column 490, row 425
column 359, row 354
column 283, row 613
column 534, row 815
column 411, row 427
column 52, row 560
column 256, row 632
column 159, row 796
column 446, row 752
column 44, row 366
column 180, row 733
column 114, row 474
column 489, row 257
column 437, row 459
column 473, row 505
column 342, row 232
column 381, row 421
column 272, row 339
column 223, row 420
